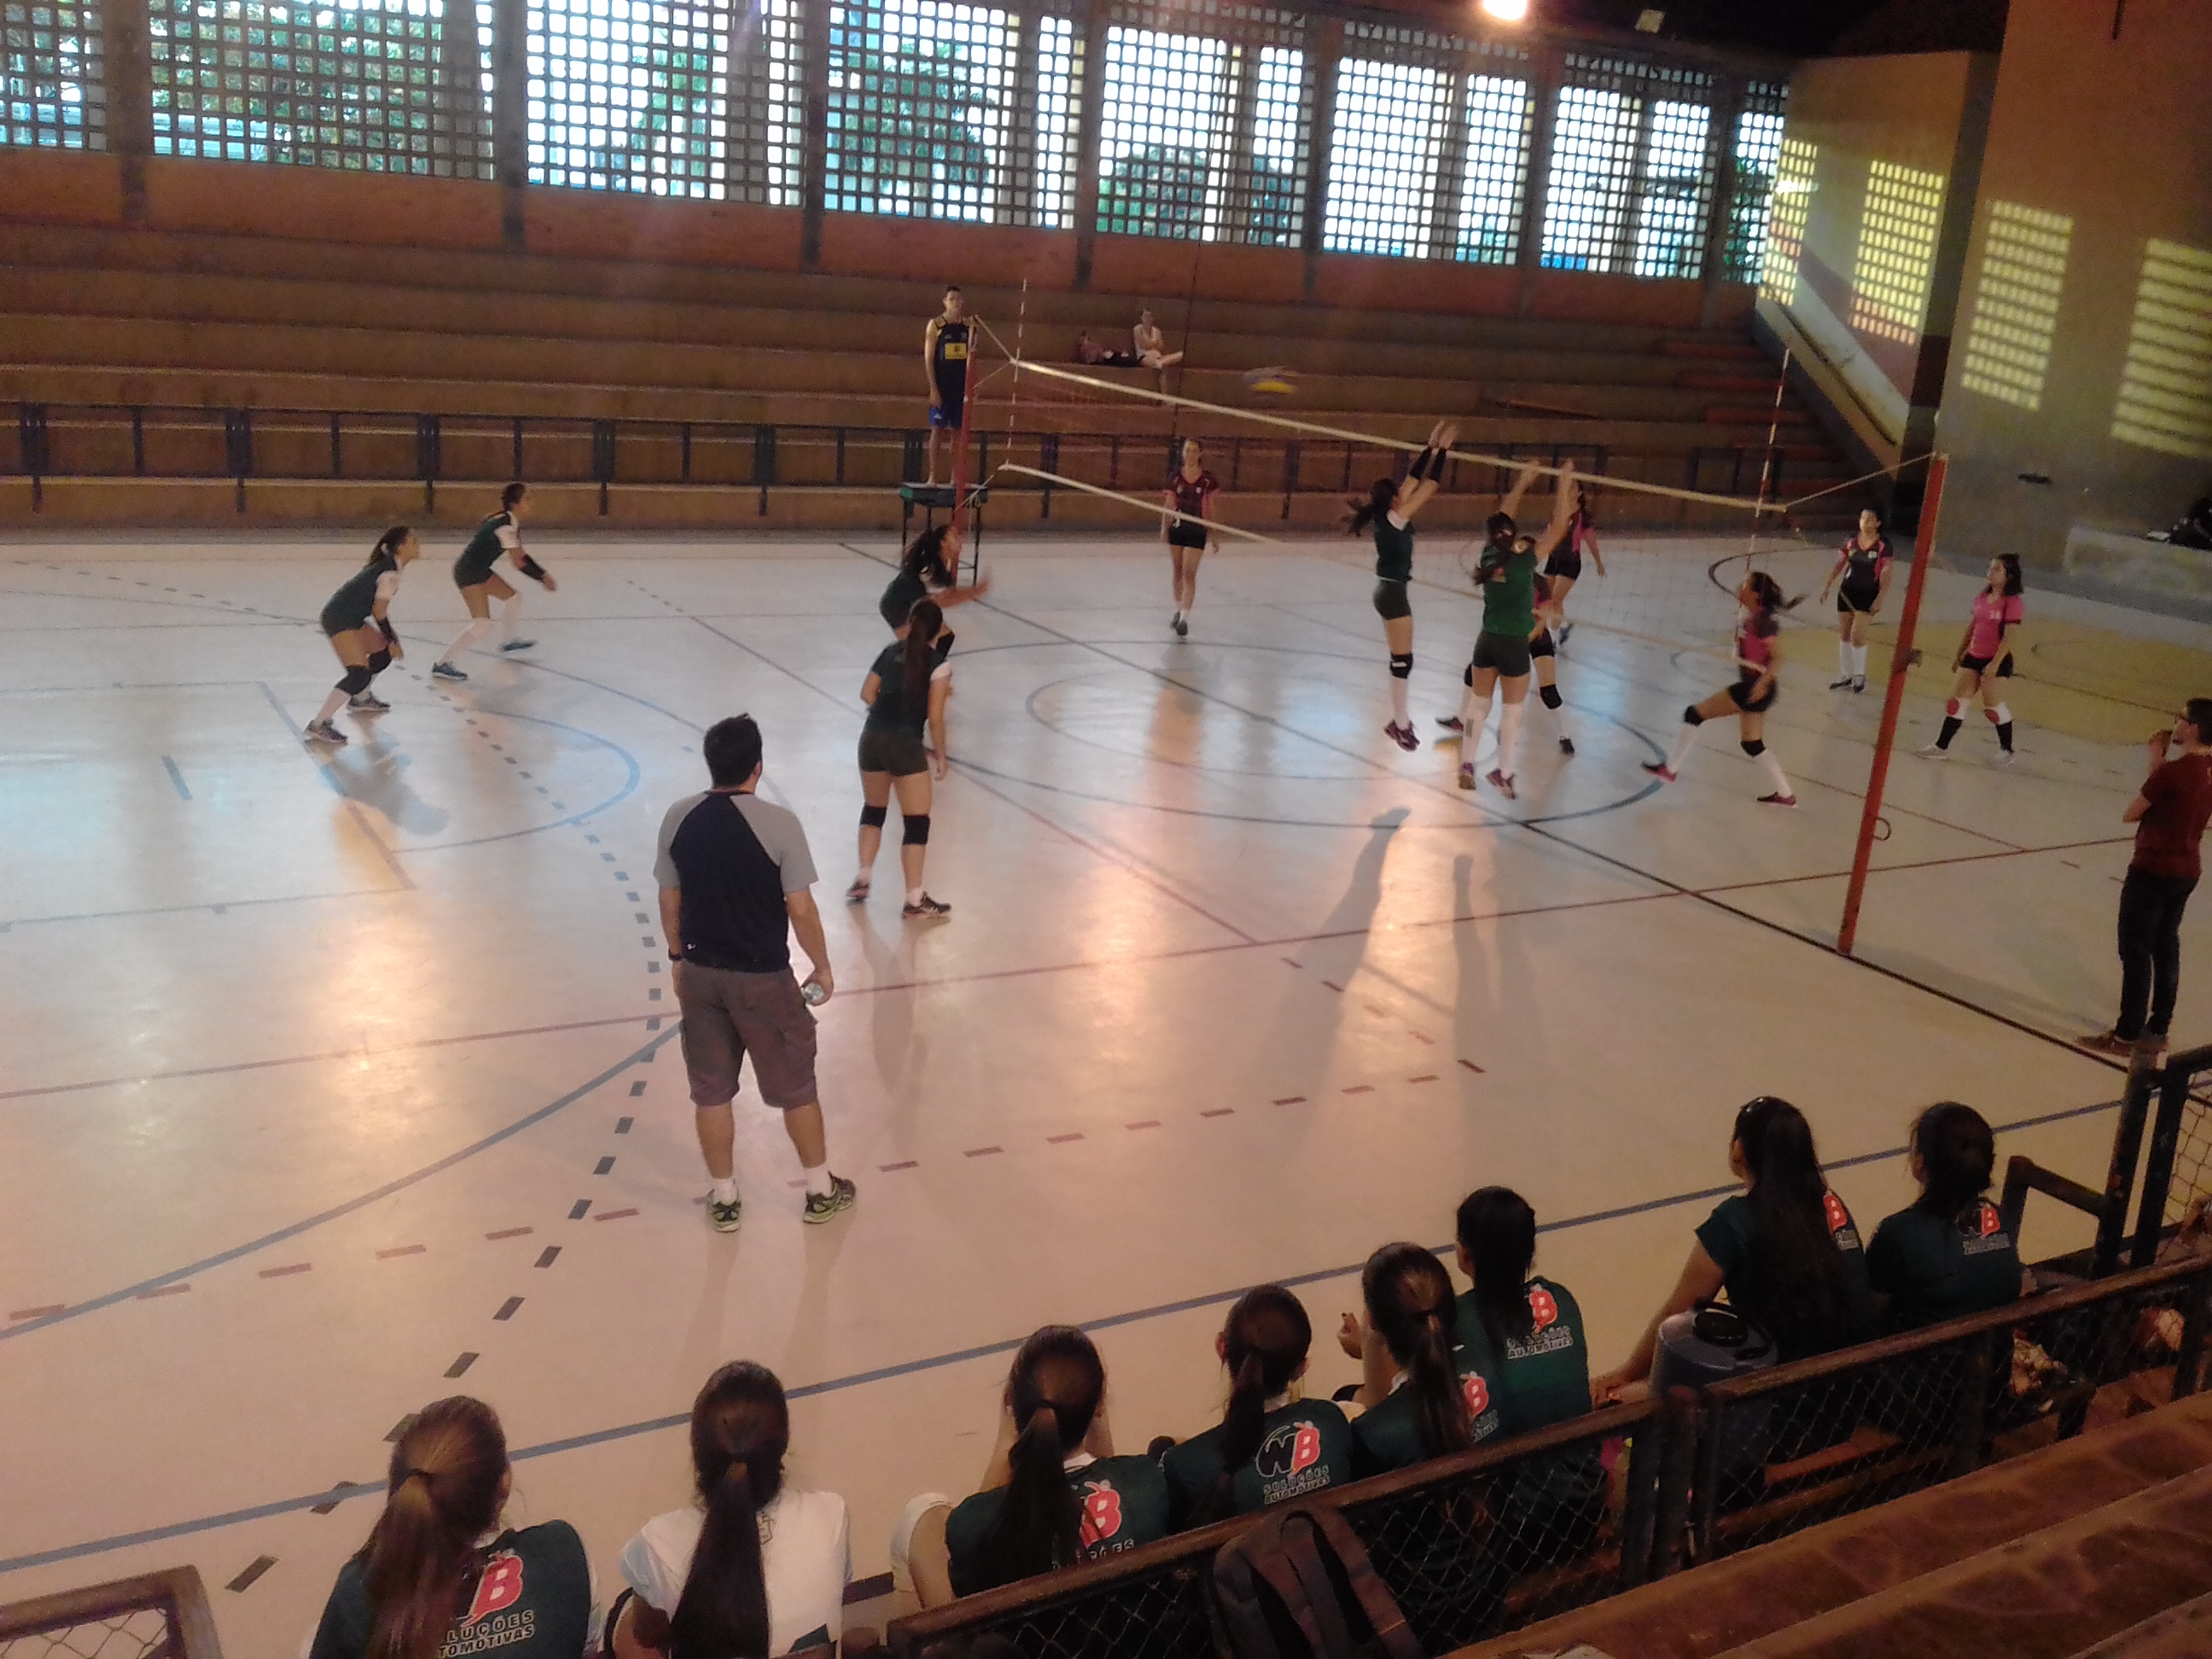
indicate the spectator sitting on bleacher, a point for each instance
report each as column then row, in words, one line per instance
column 753, row 1566
column 1054, row 1492
column 1088, row 350
column 1785, row 1249
column 1270, row 1446
column 439, row 1574
column 1523, row 1334
column 1946, row 1254
column 1423, row 1397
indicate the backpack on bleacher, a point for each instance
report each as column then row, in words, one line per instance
column 1298, row 1585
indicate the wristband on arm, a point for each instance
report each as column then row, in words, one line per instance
column 529, row 567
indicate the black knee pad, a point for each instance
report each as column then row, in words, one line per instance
column 1551, row 695
column 379, row 661
column 1692, row 717
column 1466, row 677
column 872, row 818
column 354, row 681
column 1401, row 665
column 917, row 831
column 1753, row 747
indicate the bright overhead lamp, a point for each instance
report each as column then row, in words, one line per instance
column 1506, row 11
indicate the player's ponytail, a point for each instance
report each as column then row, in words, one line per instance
column 740, row 1430
column 1498, row 1230
column 1053, row 1393
column 1957, row 1157
column 918, row 660
column 389, row 544
column 1379, row 495
column 1768, row 592
column 1409, row 1302
column 1264, row 1343
column 2013, row 584
column 1795, row 1268
column 925, row 557
column 444, row 1489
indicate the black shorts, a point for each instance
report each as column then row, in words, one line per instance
column 1849, row 598
column 468, row 574
column 1391, row 601
column 336, row 623
column 885, row 749
column 951, row 402
column 1980, row 664
column 1187, row 535
column 1740, row 694
column 1506, row 652
column 1564, row 563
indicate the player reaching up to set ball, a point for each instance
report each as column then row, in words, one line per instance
column 1507, row 579
column 1389, row 509
column 905, row 691
column 1189, row 497
column 1985, row 657
column 1565, row 566
column 357, row 622
column 1757, row 625
column 480, row 584
column 1862, row 570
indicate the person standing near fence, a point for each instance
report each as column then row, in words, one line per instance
column 736, row 880
column 2169, row 813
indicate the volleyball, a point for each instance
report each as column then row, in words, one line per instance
column 1272, row 381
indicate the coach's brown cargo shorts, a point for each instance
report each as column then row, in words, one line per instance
column 728, row 1015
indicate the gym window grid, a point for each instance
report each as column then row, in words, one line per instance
column 632, row 97
column 1631, row 182
column 53, row 92
column 919, row 96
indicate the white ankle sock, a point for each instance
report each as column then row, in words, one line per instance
column 1684, row 742
column 332, row 704
column 913, row 894
column 1398, row 715
column 1509, row 735
column 1844, row 654
column 1773, row 767
column 510, row 614
column 1858, row 661
column 477, row 628
column 726, row 1191
column 817, row 1178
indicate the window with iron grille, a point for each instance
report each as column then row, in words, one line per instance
column 1632, row 175
column 1383, row 157
column 53, row 93
column 631, row 95
column 1059, row 91
column 920, row 94
column 396, row 88
column 1758, row 157
column 1204, row 135
column 767, row 121
column 1499, row 114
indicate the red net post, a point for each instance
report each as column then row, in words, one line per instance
column 1893, row 702
column 962, row 513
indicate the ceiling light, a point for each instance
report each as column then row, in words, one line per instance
column 1506, row 11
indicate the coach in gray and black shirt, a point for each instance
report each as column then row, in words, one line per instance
column 735, row 879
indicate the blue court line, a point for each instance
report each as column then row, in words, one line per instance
column 908, row 1368
column 177, row 778
column 400, row 1184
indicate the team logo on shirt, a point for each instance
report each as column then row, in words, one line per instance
column 500, row 1588
column 1982, row 1230
column 1289, row 1463
column 1543, row 1308
column 1101, row 1515
column 1839, row 1222
column 1545, row 1333
column 494, row 1619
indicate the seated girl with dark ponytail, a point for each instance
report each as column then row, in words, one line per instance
column 1270, row 1446
column 439, row 1574
column 753, row 1567
column 1948, row 1253
column 1423, row 1396
column 1054, row 1492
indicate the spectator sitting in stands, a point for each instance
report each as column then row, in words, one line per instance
column 753, row 1566
column 1270, row 1446
column 1785, row 1249
column 1088, row 350
column 1948, row 1253
column 1152, row 347
column 438, row 1575
column 1054, row 1492
column 1423, row 1397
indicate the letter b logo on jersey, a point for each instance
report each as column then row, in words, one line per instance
column 499, row 1589
column 1288, row 1449
column 1477, row 1392
column 1990, row 1220
column 1839, row 1217
column 1543, row 1308
column 1102, row 1513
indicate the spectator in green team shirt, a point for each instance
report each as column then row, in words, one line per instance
column 1270, row 1446
column 1948, row 1253
column 1422, row 1396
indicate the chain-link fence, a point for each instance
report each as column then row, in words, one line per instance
column 162, row 1615
column 1149, row 1604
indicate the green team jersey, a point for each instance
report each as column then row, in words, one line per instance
column 1936, row 1268
column 530, row 1598
column 1509, row 603
column 1125, row 1503
column 1389, row 1436
column 1304, row 1447
column 1393, row 549
column 1542, row 1378
column 493, row 537
column 1726, row 1234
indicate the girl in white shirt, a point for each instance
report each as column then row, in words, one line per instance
column 752, row 1567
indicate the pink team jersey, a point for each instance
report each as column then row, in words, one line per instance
column 1754, row 641
column 1990, row 616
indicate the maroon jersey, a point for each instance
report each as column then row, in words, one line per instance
column 1193, row 497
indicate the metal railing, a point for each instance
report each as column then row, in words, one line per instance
column 240, row 447
column 1484, row 1542
column 161, row 1615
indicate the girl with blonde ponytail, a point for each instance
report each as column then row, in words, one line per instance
column 438, row 1575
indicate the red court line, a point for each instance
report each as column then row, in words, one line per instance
column 511, row 1232
column 1149, row 1123
column 1360, row 1089
column 1220, row 1111
column 1061, row 1140
column 982, row 1152
column 403, row 1249
column 284, row 1272
column 163, row 1290
column 1426, row 1076
column 46, row 1312
column 910, row 1163
column 616, row 1215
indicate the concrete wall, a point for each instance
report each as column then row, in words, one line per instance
column 2097, row 168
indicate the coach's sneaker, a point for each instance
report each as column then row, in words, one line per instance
column 724, row 1217
column 1660, row 770
column 858, row 892
column 368, row 702
column 821, row 1206
column 1402, row 736
column 324, row 732
column 926, row 907
column 446, row 670
column 518, row 645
